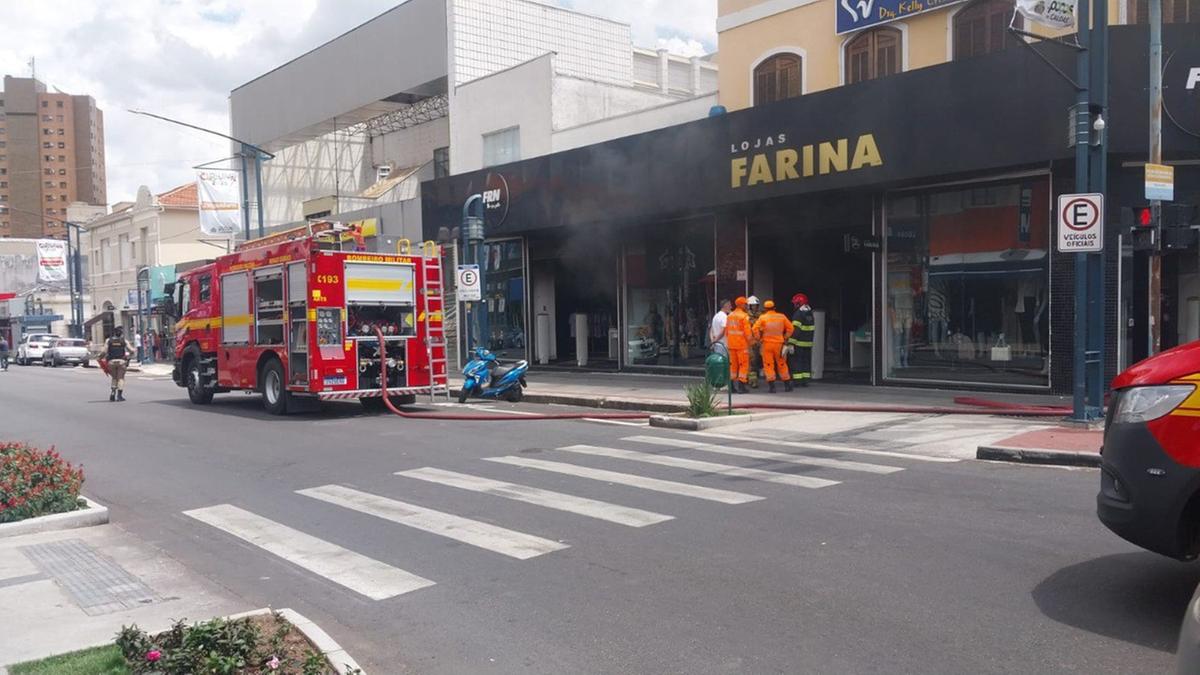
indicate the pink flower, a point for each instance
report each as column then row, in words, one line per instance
column 153, row 655
column 273, row 664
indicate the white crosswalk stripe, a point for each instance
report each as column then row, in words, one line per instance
column 632, row 480
column 593, row 508
column 623, row 423
column 361, row 574
column 483, row 535
column 696, row 465
column 765, row 454
column 805, row 445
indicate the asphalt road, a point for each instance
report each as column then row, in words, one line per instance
column 939, row 567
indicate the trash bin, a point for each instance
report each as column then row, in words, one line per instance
column 716, row 369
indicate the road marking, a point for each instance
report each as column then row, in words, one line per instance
column 624, row 423
column 361, row 574
column 804, row 445
column 632, row 480
column 613, row 513
column 765, row 454
column 695, row 465
column 491, row 537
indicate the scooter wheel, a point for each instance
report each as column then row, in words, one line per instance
column 464, row 393
column 514, row 395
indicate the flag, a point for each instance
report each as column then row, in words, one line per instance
column 1059, row 14
column 220, row 210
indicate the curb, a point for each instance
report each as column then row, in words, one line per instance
column 1031, row 456
column 337, row 657
column 93, row 514
column 594, row 402
column 701, row 423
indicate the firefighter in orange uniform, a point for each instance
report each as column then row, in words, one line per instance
column 737, row 334
column 773, row 329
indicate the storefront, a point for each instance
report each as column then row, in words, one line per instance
column 916, row 211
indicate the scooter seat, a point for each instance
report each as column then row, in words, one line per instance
column 501, row 371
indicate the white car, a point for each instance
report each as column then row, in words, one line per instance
column 67, row 351
column 32, row 347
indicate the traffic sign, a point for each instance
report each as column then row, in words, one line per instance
column 468, row 283
column 1160, row 182
column 1080, row 223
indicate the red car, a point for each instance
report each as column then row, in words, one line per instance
column 1150, row 470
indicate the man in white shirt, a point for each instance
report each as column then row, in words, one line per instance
column 716, row 330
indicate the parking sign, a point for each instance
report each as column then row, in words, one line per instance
column 468, row 283
column 1080, row 223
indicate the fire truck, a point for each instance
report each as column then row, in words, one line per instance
column 293, row 317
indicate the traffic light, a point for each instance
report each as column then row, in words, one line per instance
column 1178, row 221
column 1139, row 223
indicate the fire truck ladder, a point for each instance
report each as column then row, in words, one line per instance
column 435, row 330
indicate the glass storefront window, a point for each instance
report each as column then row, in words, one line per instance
column 967, row 283
column 669, row 273
column 504, row 295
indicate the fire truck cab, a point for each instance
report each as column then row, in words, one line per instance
column 293, row 316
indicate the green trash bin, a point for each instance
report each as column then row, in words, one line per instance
column 716, row 369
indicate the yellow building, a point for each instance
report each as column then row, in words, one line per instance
column 776, row 49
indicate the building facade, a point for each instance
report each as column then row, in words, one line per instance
column 51, row 154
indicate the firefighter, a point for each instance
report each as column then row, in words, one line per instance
column 116, row 353
column 738, row 336
column 772, row 329
column 753, row 311
column 800, row 344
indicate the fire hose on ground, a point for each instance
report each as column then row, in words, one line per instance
column 981, row 407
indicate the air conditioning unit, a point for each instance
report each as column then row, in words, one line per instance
column 382, row 172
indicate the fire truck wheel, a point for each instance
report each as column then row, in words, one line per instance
column 197, row 392
column 275, row 395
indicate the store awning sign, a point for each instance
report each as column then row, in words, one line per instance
column 1080, row 223
column 1160, row 182
column 1057, row 14
column 855, row 15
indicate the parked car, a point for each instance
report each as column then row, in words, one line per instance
column 1187, row 656
column 32, row 347
column 65, row 351
column 1150, row 462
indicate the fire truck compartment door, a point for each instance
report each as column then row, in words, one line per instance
column 376, row 283
column 235, row 308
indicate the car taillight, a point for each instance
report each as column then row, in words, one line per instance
column 1142, row 404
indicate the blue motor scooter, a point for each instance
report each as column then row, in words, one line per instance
column 486, row 377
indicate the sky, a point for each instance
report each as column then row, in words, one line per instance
column 180, row 58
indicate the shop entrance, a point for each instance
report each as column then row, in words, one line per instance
column 574, row 300
column 799, row 246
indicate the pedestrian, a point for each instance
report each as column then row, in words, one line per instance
column 716, row 328
column 137, row 345
column 116, row 353
column 737, row 335
column 800, row 344
column 3, row 353
column 753, row 311
column 772, row 329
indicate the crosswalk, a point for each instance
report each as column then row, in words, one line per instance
column 685, row 478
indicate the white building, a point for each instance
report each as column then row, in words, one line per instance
column 154, row 231
column 433, row 87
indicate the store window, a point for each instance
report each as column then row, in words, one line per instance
column 504, row 296
column 873, row 53
column 777, row 78
column 982, row 27
column 1173, row 11
column 669, row 273
column 967, row 284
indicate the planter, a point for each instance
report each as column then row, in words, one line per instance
column 93, row 513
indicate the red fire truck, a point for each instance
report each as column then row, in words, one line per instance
column 293, row 317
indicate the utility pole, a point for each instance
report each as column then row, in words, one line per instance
column 1098, row 183
column 1156, row 108
column 1083, row 135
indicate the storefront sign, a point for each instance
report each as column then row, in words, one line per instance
column 220, row 213
column 1160, row 182
column 1058, row 14
column 468, row 284
column 1080, row 223
column 776, row 164
column 52, row 260
column 495, row 200
column 857, row 14
column 853, row 243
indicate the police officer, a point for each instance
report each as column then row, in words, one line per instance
column 772, row 329
column 116, row 352
column 800, row 344
column 3, row 353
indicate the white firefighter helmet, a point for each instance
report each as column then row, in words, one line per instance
column 752, row 300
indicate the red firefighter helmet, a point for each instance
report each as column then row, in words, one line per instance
column 799, row 299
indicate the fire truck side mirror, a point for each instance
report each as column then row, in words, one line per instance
column 168, row 302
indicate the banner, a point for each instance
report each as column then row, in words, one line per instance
column 52, row 260
column 855, row 15
column 220, row 202
column 1059, row 14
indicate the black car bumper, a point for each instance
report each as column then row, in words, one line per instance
column 1143, row 491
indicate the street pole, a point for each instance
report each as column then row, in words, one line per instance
column 245, row 193
column 74, row 327
column 1083, row 125
column 258, row 188
column 77, row 265
column 1156, row 158
column 1098, row 177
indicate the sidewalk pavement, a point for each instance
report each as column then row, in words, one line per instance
column 72, row 589
column 1059, row 445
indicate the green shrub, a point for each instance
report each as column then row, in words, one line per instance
column 702, row 400
column 36, row 482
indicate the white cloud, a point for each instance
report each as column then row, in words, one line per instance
column 180, row 58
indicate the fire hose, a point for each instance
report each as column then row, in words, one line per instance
column 983, row 407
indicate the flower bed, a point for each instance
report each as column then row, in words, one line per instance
column 36, row 482
column 260, row 644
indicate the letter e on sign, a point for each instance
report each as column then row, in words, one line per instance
column 1080, row 223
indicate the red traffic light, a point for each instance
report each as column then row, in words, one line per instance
column 1144, row 217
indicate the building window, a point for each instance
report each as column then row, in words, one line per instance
column 61, row 172
column 126, row 252
column 60, row 118
column 106, row 255
column 45, row 104
column 47, row 132
column 502, row 147
column 58, row 104
column 777, row 78
column 49, row 198
column 3, row 183
column 62, row 184
column 982, row 27
column 872, row 54
column 62, row 145
column 441, row 162
column 62, row 132
column 62, row 158
column 1174, row 11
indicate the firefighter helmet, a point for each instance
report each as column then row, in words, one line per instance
column 752, row 300
column 770, row 304
column 799, row 299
